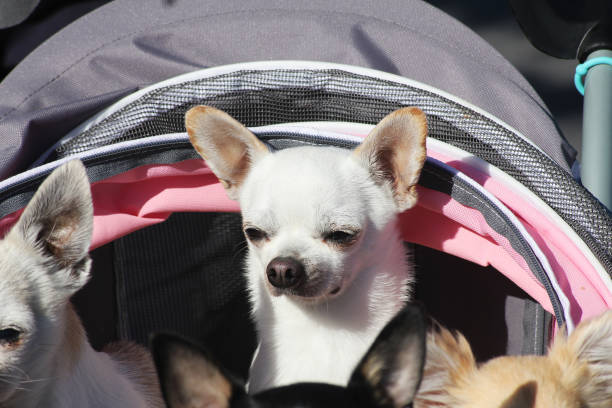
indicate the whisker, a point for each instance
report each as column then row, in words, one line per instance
column 239, row 249
column 35, row 381
column 10, row 381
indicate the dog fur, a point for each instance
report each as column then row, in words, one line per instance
column 387, row 376
column 331, row 215
column 576, row 373
column 45, row 358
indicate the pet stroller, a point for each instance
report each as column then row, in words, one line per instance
column 507, row 245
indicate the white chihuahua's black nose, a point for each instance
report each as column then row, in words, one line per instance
column 285, row 272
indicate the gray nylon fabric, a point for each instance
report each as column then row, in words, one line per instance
column 13, row 12
column 129, row 44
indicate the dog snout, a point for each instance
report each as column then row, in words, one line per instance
column 285, row 272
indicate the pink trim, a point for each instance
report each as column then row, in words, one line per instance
column 7, row 222
column 577, row 277
column 149, row 194
column 444, row 224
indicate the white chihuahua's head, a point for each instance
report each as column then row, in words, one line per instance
column 43, row 261
column 314, row 216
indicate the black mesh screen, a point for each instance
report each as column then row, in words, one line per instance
column 277, row 96
column 186, row 275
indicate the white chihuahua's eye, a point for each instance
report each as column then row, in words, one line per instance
column 9, row 336
column 340, row 237
column 255, row 234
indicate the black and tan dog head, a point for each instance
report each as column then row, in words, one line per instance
column 387, row 376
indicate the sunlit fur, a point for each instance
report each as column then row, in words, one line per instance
column 296, row 196
column 576, row 373
column 43, row 261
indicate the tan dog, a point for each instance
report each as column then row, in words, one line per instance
column 576, row 373
column 45, row 358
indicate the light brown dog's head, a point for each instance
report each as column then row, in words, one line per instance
column 576, row 373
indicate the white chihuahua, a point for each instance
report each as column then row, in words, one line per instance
column 45, row 358
column 326, row 266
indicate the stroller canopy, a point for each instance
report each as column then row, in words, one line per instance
column 112, row 89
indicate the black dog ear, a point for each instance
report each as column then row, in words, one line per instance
column 390, row 372
column 187, row 375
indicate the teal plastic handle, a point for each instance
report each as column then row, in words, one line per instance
column 581, row 71
column 596, row 152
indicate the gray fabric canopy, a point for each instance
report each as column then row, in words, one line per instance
column 144, row 280
column 128, row 44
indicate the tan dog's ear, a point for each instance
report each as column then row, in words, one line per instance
column 228, row 147
column 449, row 359
column 394, row 152
column 523, row 397
column 590, row 344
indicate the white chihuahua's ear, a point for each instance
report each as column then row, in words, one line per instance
column 228, row 147
column 58, row 222
column 390, row 373
column 590, row 344
column 395, row 153
column 187, row 376
column 449, row 357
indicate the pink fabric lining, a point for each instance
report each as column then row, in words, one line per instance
column 149, row 194
column 444, row 224
column 576, row 275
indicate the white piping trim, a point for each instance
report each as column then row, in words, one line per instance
column 526, row 235
column 339, row 130
column 522, row 191
column 336, row 129
column 307, row 129
column 33, row 172
column 320, row 130
column 331, row 130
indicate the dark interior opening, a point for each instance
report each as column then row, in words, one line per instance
column 185, row 276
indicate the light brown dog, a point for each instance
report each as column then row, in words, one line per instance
column 576, row 373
